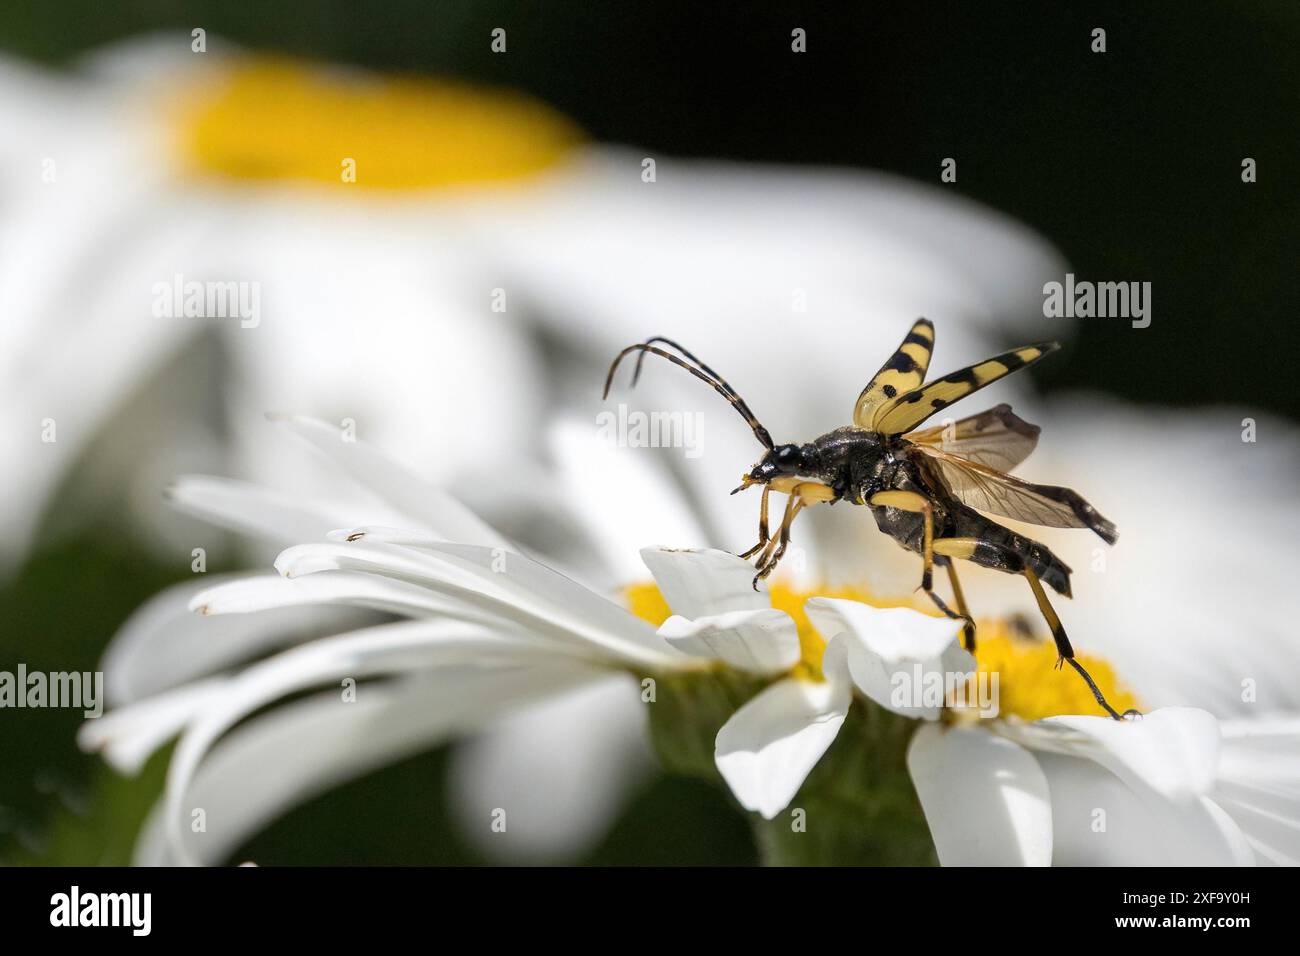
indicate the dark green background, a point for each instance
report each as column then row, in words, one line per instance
column 1128, row 161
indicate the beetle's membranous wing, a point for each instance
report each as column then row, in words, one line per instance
column 998, row 438
column 910, row 409
column 904, row 371
column 986, row 489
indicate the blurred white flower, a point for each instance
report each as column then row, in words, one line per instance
column 379, row 297
column 489, row 630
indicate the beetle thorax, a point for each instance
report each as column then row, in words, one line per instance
column 848, row 458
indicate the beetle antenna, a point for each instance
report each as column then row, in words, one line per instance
column 702, row 372
column 640, row 360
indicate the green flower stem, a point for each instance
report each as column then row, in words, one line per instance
column 857, row 807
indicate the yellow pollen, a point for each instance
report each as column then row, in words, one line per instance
column 273, row 119
column 1028, row 685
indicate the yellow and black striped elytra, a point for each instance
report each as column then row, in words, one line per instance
column 934, row 490
column 904, row 372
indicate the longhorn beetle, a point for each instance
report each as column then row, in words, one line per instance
column 926, row 488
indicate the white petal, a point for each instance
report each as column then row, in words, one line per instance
column 284, row 757
column 127, row 736
column 431, row 506
column 75, row 341
column 714, row 242
column 262, row 512
column 387, row 649
column 561, row 769
column 900, row 658
column 1099, row 820
column 268, row 592
column 767, row 748
column 892, row 634
column 698, row 583
column 1259, row 785
column 498, row 582
column 985, row 798
column 759, row 642
column 495, row 598
column 1135, row 792
column 163, row 644
column 411, row 375
column 514, row 570
column 1173, row 751
column 600, row 479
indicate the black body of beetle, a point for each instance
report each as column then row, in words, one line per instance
column 858, row 464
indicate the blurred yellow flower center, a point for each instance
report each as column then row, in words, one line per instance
column 271, row 119
column 1028, row 685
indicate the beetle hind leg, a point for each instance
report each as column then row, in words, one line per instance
column 963, row 612
column 967, row 548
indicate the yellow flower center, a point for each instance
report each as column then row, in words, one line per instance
column 272, row 119
column 1028, row 685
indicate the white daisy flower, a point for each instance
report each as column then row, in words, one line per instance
column 379, row 293
column 1172, row 788
column 783, row 700
column 487, row 629
column 566, row 636
column 1163, row 610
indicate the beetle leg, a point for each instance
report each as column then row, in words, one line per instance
column 911, row 501
column 968, row 630
column 966, row 547
column 914, row 502
column 770, row 557
column 763, row 536
column 802, row 494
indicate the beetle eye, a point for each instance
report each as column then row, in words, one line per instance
column 787, row 454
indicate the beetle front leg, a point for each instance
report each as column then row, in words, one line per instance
column 802, row 494
column 770, row 559
column 763, row 535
